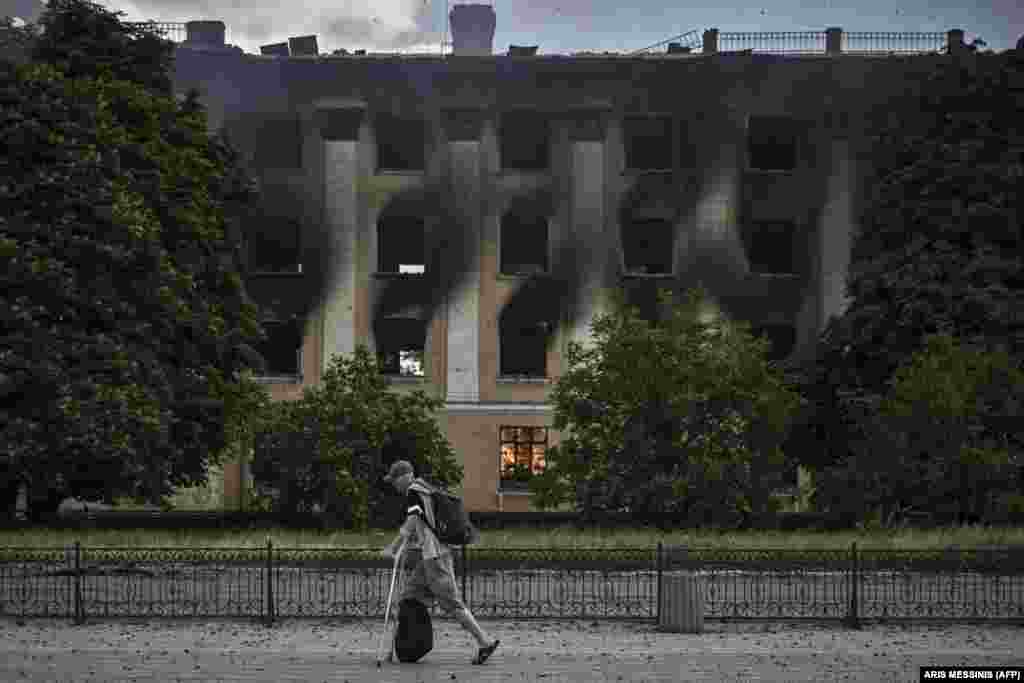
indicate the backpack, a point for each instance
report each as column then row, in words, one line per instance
column 415, row 634
column 452, row 521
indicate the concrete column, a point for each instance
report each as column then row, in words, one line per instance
column 340, row 223
column 836, row 231
column 833, row 40
column 955, row 41
column 587, row 226
column 711, row 40
column 463, row 380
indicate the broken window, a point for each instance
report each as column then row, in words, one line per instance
column 524, row 140
column 647, row 246
column 648, row 142
column 781, row 337
column 522, row 454
column 401, row 245
column 524, row 347
column 771, row 143
column 273, row 247
column 400, row 143
column 524, row 244
column 770, row 246
column 282, row 350
column 279, row 143
column 401, row 345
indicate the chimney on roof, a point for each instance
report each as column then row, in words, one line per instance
column 302, row 45
column 205, row 32
column 278, row 49
column 472, row 29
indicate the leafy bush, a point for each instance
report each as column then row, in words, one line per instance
column 679, row 420
column 334, row 445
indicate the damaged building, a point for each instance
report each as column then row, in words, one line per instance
column 466, row 215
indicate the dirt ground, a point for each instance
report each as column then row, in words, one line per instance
column 312, row 651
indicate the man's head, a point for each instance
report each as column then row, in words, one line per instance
column 400, row 475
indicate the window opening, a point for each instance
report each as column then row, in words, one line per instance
column 273, row 247
column 401, row 346
column 401, row 245
column 648, row 142
column 525, row 139
column 400, row 143
column 523, row 349
column 770, row 247
column 781, row 337
column 523, row 450
column 524, row 244
column 282, row 349
column 648, row 246
column 771, row 143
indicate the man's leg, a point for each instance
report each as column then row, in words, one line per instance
column 468, row 622
column 443, row 585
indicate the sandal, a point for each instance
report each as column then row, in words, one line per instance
column 485, row 652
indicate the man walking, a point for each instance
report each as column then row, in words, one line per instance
column 434, row 572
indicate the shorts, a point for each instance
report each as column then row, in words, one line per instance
column 434, row 580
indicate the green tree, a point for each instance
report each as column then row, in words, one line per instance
column 682, row 419
column 334, row 445
column 940, row 244
column 938, row 441
column 123, row 318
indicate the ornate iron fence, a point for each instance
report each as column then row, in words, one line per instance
column 851, row 586
column 900, row 42
column 787, row 42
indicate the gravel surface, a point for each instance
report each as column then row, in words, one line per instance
column 313, row 651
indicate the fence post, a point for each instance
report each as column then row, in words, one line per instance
column 955, row 41
column 710, row 40
column 658, row 563
column 833, row 40
column 79, row 609
column 269, row 618
column 853, row 619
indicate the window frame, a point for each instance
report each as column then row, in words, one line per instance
column 382, row 349
column 507, row 483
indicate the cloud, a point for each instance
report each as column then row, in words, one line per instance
column 351, row 24
column 26, row 10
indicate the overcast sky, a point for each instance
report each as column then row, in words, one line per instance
column 562, row 26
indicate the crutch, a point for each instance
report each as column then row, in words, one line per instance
column 387, row 610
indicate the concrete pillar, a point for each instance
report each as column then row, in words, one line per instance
column 711, row 40
column 587, row 192
column 836, row 231
column 833, row 40
column 955, row 41
column 463, row 380
column 340, row 135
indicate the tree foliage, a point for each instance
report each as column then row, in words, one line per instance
column 677, row 420
column 947, row 434
column 123, row 318
column 334, row 445
column 940, row 245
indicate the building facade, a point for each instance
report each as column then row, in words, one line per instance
column 465, row 216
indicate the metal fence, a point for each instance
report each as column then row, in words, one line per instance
column 850, row 586
column 788, row 42
column 898, row 42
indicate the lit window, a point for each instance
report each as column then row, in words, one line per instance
column 522, row 454
column 401, row 344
